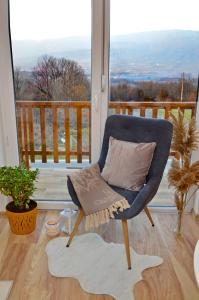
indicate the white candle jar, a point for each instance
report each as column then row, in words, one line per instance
column 52, row 227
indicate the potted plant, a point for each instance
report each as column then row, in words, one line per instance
column 183, row 174
column 18, row 183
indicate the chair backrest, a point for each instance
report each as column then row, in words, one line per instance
column 140, row 130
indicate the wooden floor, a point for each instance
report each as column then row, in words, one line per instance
column 23, row 259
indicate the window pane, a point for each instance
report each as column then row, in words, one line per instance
column 154, row 62
column 51, row 44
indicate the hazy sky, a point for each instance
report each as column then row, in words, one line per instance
column 46, row 19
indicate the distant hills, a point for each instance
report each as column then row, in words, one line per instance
column 27, row 52
column 146, row 55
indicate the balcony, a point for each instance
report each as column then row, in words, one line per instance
column 61, row 131
column 56, row 137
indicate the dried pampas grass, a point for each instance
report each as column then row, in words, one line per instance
column 185, row 136
column 179, row 133
column 182, row 177
column 192, row 136
column 183, row 174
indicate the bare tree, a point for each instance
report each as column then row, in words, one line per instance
column 163, row 95
column 18, row 82
column 60, row 79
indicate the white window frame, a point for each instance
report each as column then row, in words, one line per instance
column 8, row 130
column 7, row 99
column 100, row 73
column 195, row 156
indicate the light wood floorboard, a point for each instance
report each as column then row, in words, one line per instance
column 23, row 260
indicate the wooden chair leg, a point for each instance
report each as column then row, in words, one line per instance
column 126, row 242
column 149, row 215
column 78, row 221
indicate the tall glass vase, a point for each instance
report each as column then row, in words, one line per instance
column 179, row 226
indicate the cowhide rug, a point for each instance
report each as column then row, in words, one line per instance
column 5, row 287
column 100, row 267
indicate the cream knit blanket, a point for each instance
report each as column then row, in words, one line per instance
column 99, row 202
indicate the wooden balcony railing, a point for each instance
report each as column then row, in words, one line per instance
column 30, row 114
column 154, row 109
column 62, row 130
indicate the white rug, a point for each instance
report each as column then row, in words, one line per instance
column 100, row 267
column 5, row 287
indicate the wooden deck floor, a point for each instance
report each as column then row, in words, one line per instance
column 52, row 185
column 23, row 259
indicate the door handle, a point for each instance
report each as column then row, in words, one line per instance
column 96, row 103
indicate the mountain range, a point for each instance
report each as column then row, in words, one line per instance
column 147, row 54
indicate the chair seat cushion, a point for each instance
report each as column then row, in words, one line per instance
column 128, row 194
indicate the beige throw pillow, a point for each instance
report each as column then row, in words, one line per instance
column 127, row 164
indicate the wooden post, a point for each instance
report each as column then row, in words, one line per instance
column 31, row 134
column 43, row 134
column 79, row 135
column 55, row 136
column 25, row 135
column 67, row 134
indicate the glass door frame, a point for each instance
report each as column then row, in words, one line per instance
column 9, row 154
column 99, row 92
column 7, row 101
column 100, row 23
column 99, row 73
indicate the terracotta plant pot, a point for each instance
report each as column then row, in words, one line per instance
column 22, row 221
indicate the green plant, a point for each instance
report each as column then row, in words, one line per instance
column 18, row 183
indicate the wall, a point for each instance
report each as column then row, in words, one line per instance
column 2, row 160
column 195, row 157
column 8, row 131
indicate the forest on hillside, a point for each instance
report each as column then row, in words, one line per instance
column 60, row 79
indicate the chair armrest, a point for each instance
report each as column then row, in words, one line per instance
column 145, row 195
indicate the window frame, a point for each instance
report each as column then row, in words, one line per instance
column 99, row 73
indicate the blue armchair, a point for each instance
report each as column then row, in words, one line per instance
column 138, row 130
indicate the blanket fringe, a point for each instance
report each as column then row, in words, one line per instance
column 104, row 216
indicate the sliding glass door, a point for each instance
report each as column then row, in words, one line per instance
column 65, row 85
column 51, row 45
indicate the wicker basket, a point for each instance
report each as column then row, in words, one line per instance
column 23, row 222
